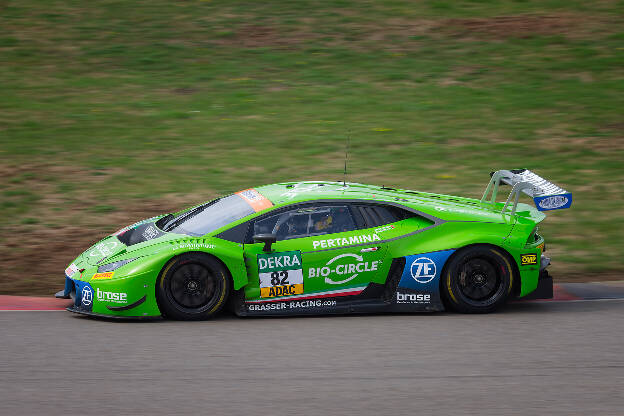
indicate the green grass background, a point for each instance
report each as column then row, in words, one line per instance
column 105, row 105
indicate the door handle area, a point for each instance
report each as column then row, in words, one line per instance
column 369, row 249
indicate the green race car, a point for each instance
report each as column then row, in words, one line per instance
column 323, row 247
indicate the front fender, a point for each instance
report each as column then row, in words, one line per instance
column 228, row 252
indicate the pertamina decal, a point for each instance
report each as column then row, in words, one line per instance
column 528, row 259
column 353, row 266
column 280, row 274
column 345, row 241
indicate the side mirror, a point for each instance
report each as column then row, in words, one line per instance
column 267, row 239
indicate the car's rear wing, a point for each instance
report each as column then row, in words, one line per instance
column 545, row 194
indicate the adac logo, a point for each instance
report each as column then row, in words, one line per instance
column 86, row 296
column 423, row 270
column 528, row 259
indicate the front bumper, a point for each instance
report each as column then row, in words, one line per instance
column 132, row 297
column 80, row 311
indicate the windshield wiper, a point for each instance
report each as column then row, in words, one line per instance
column 188, row 215
column 164, row 221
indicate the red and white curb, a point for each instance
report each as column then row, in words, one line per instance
column 32, row 303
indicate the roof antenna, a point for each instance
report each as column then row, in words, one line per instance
column 344, row 180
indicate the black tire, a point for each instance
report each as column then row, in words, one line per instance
column 478, row 279
column 193, row 286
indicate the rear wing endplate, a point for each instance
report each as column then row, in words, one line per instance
column 546, row 195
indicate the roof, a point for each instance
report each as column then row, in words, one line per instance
column 447, row 207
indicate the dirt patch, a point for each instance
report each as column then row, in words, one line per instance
column 185, row 91
column 573, row 144
column 511, row 26
column 33, row 257
column 256, row 36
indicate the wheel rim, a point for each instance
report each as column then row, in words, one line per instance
column 479, row 280
column 193, row 287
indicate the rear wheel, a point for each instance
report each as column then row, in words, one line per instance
column 478, row 279
column 192, row 286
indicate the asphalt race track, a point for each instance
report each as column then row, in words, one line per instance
column 533, row 358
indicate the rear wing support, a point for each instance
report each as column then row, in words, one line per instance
column 546, row 195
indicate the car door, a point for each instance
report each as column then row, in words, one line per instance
column 320, row 250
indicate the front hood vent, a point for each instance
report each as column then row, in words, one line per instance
column 143, row 232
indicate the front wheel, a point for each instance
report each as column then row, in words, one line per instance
column 193, row 286
column 478, row 279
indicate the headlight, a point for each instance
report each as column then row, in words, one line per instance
column 113, row 266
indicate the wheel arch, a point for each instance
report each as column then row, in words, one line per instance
column 515, row 277
column 172, row 260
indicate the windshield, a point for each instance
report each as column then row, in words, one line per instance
column 207, row 218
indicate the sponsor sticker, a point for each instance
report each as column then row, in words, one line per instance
column 347, row 264
column 114, row 297
column 423, row 269
column 86, row 296
column 71, row 270
column 150, row 233
column 103, row 276
column 345, row 241
column 280, row 274
column 408, row 297
column 546, row 203
column 384, row 228
column 103, row 249
column 254, row 198
column 193, row 246
column 294, row 304
column 528, row 259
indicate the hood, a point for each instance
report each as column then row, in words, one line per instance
column 119, row 242
column 108, row 247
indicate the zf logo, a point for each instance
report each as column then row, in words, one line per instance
column 528, row 259
column 423, row 270
column 87, row 296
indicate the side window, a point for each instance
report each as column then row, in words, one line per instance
column 376, row 215
column 306, row 222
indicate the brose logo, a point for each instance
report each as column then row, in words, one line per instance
column 423, row 270
column 357, row 267
column 528, row 259
column 115, row 297
column 413, row 297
